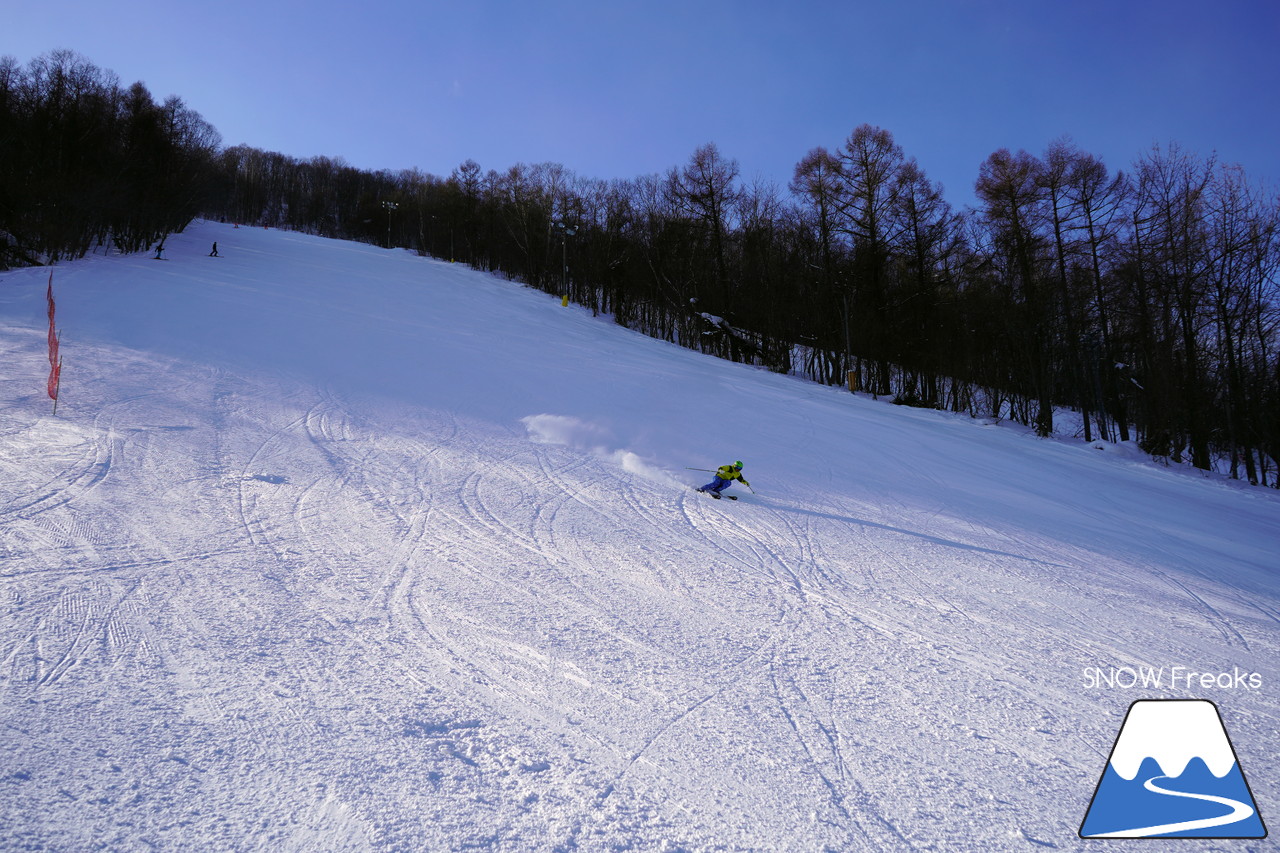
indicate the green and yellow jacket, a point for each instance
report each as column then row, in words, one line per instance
column 728, row 472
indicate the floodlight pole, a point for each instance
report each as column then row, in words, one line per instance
column 390, row 206
column 566, row 231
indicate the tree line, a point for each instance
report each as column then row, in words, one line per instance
column 86, row 163
column 1145, row 302
column 1142, row 302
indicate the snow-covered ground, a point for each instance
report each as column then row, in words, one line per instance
column 337, row 548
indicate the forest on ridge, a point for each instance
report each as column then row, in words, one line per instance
column 1145, row 299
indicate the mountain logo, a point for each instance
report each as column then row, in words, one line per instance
column 1172, row 774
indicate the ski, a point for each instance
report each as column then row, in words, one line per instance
column 718, row 496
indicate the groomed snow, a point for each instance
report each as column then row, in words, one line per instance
column 337, row 548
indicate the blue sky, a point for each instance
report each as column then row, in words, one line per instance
column 616, row 90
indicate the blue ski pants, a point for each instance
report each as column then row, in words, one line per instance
column 719, row 484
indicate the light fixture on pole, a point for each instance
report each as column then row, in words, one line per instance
column 566, row 231
column 390, row 206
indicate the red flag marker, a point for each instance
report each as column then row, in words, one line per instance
column 55, row 360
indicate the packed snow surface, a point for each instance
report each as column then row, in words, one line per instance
column 330, row 547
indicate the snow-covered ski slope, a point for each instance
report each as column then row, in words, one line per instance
column 337, row 548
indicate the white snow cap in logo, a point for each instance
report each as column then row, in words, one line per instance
column 1173, row 733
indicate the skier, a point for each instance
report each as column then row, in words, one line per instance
column 214, row 253
column 725, row 475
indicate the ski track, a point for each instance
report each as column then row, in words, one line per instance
column 274, row 613
column 91, row 468
column 284, row 488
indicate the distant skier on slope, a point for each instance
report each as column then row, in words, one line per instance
column 725, row 475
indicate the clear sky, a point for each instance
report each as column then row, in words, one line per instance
column 620, row 89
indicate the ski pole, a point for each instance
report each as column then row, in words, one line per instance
column 708, row 470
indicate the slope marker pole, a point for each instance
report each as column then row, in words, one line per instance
column 57, row 388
